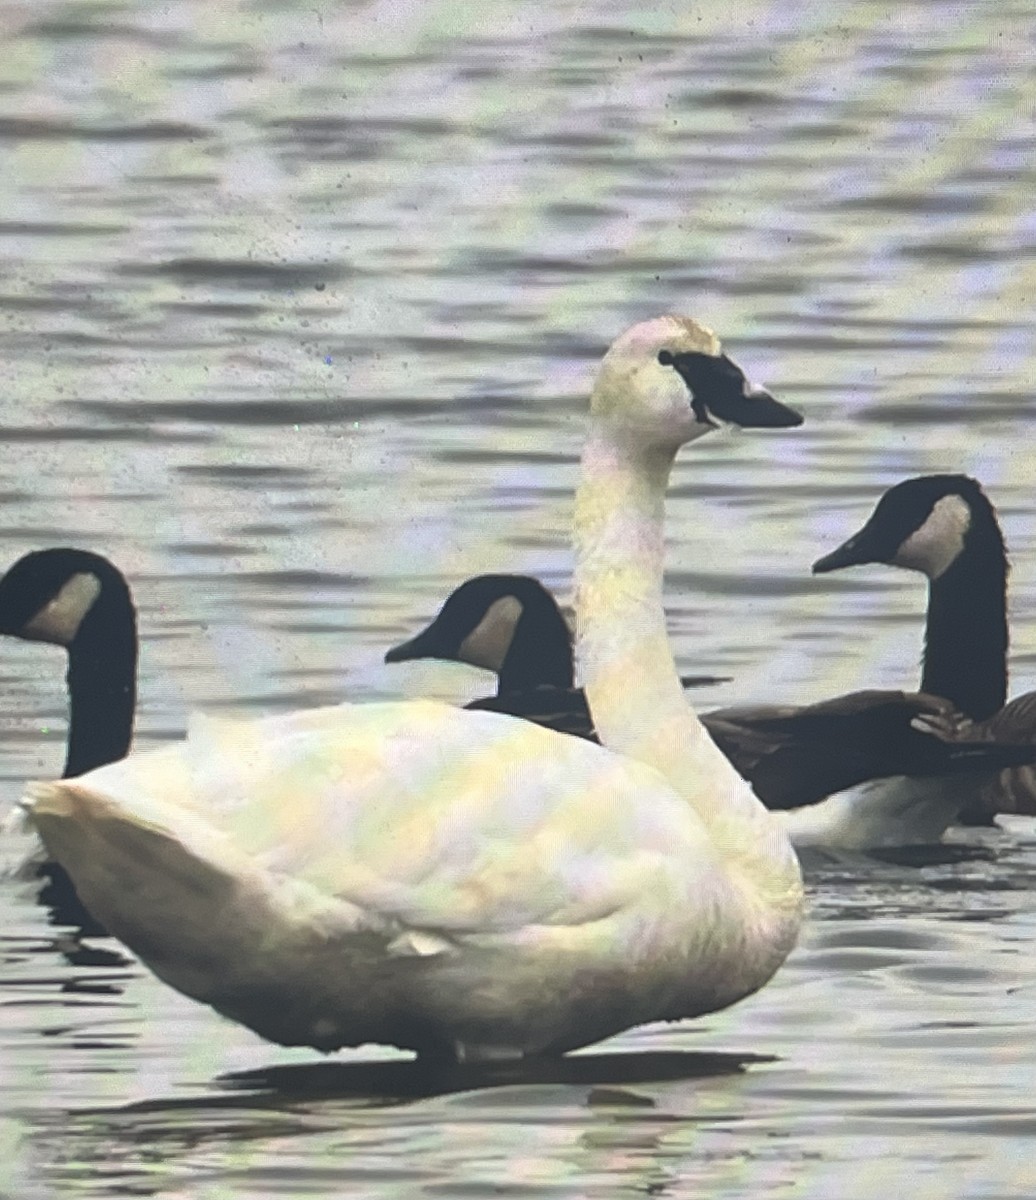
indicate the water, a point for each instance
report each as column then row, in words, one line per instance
column 298, row 309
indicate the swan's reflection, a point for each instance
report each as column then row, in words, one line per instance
column 349, row 1114
column 400, row 1082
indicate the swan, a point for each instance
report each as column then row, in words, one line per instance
column 79, row 600
column 465, row 884
column 794, row 756
column 945, row 527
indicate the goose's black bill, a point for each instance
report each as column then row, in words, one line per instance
column 852, row 553
column 422, row 646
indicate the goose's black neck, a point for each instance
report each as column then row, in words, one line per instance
column 540, row 653
column 102, row 681
column 965, row 655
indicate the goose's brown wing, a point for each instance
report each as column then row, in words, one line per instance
column 797, row 755
column 1012, row 789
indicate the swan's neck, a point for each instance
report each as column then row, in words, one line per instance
column 102, row 686
column 965, row 656
column 632, row 687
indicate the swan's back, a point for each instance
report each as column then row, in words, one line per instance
column 398, row 787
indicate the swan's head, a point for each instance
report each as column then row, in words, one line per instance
column 666, row 381
column 508, row 624
column 922, row 524
column 48, row 595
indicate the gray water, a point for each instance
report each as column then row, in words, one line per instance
column 298, row 311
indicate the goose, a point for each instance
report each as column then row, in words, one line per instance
column 512, row 625
column 794, row 755
column 945, row 527
column 79, row 600
column 468, row 885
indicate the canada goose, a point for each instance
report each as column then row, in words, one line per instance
column 794, row 755
column 79, row 600
column 945, row 527
column 466, row 884
column 512, row 625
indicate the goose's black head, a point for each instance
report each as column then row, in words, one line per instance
column 923, row 524
column 57, row 595
column 508, row 624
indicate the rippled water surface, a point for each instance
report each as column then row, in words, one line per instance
column 299, row 306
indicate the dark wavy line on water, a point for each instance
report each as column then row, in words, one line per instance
column 915, row 202
column 216, row 308
column 240, row 271
column 229, row 70
column 59, row 304
column 65, row 536
column 949, row 252
column 827, row 494
column 520, row 457
column 211, row 549
column 37, row 129
column 246, row 474
column 936, row 412
column 899, row 325
column 286, row 580
column 749, row 584
column 280, row 412
column 80, row 30
column 57, row 229
column 323, row 128
column 88, row 433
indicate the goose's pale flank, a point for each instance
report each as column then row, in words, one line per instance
column 945, row 527
column 80, row 601
column 794, row 755
column 467, row 884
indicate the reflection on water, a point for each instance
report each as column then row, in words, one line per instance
column 298, row 310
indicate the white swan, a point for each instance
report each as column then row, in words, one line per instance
column 467, row 884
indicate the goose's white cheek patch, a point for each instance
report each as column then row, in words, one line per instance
column 58, row 622
column 488, row 643
column 939, row 541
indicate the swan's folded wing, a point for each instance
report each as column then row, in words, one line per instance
column 418, row 814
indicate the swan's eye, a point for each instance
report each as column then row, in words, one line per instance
column 665, row 358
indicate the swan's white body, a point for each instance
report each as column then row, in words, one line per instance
column 396, row 869
column 462, row 882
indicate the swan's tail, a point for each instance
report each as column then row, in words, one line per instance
column 134, row 872
column 164, row 881
column 46, row 798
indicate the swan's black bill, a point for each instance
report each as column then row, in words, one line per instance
column 719, row 389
